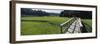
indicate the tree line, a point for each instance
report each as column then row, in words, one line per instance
column 30, row 12
column 64, row 13
column 76, row 13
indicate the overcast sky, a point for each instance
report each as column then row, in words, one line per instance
column 50, row 10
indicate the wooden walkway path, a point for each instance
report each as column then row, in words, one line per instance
column 75, row 27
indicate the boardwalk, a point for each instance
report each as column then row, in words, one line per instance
column 75, row 27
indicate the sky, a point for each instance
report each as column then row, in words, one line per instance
column 50, row 10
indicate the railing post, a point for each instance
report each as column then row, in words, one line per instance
column 61, row 29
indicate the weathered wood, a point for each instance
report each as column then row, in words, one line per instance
column 75, row 27
column 64, row 26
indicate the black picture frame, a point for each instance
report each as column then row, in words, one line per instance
column 13, row 21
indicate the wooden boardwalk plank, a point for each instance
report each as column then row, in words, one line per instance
column 75, row 27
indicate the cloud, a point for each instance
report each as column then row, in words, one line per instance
column 50, row 10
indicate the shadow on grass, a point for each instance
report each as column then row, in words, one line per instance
column 86, row 29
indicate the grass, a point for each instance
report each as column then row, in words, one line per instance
column 88, row 24
column 56, row 20
column 37, row 28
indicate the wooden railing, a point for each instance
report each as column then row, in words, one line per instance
column 64, row 26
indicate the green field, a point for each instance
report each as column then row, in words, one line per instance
column 41, row 25
column 88, row 24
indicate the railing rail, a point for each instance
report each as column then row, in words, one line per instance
column 64, row 26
